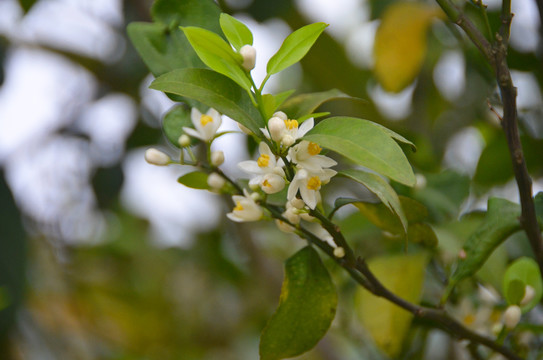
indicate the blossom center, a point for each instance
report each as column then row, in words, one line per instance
column 238, row 206
column 266, row 183
column 313, row 149
column 205, row 119
column 314, row 183
column 469, row 319
column 291, row 124
column 263, row 160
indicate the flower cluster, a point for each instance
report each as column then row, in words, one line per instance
column 284, row 160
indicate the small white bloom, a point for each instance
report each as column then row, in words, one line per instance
column 529, row 294
column 281, row 115
column 291, row 214
column 217, row 158
column 246, row 209
column 309, row 184
column 272, row 183
column 269, row 174
column 284, row 227
column 156, row 157
column 184, row 140
column 291, row 132
column 249, row 57
column 511, row 316
column 296, row 203
column 205, row 125
column 339, row 252
column 277, row 128
column 306, row 155
column 215, row 181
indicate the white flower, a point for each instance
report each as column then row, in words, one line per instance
column 269, row 172
column 215, row 181
column 306, row 155
column 309, row 184
column 511, row 316
column 205, row 125
column 290, row 133
column 156, row 157
column 246, row 209
column 272, row 183
column 284, row 227
column 248, row 53
column 217, row 158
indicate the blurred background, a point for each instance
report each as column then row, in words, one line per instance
column 103, row 256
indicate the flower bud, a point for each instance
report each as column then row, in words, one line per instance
column 215, row 181
column 277, row 128
column 339, row 252
column 297, row 203
column 254, row 186
column 511, row 316
column 255, row 196
column 249, row 57
column 184, row 140
column 291, row 215
column 281, row 115
column 272, row 183
column 217, row 158
column 156, row 157
column 529, row 293
column 284, row 227
column 287, row 140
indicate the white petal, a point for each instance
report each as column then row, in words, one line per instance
column 305, row 127
column 293, row 189
column 250, row 167
column 265, row 132
column 308, row 196
column 193, row 133
column 325, row 161
column 234, row 217
column 196, row 117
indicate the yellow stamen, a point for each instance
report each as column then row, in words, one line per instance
column 469, row 319
column 205, row 119
column 291, row 124
column 266, row 183
column 313, row 149
column 263, row 160
column 238, row 206
column 314, row 183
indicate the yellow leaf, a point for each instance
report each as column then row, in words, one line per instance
column 400, row 43
column 387, row 323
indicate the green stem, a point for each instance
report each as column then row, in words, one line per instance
column 484, row 15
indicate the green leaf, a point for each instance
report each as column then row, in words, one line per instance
column 306, row 308
column 387, row 323
column 305, row 104
column 201, row 13
column 397, row 137
column 501, row 220
column 272, row 102
column 294, row 48
column 217, row 54
column 522, row 272
column 538, row 202
column 235, row 31
column 162, row 51
column 214, row 90
column 364, row 143
column 174, row 121
column 195, row 180
column 422, row 233
column 381, row 188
